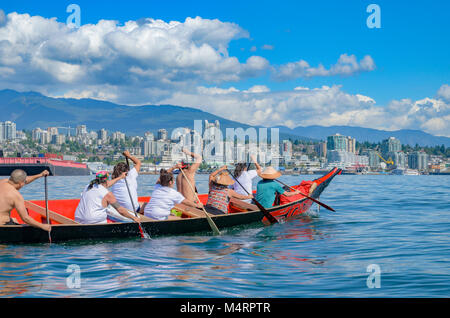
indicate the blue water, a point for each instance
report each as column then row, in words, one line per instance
column 399, row 223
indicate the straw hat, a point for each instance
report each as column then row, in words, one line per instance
column 223, row 179
column 270, row 173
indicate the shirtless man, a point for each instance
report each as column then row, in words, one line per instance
column 189, row 170
column 10, row 198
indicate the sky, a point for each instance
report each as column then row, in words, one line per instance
column 293, row 63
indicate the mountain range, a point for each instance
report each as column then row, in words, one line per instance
column 30, row 110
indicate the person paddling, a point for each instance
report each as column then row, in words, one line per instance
column 189, row 171
column 267, row 188
column 119, row 189
column 165, row 197
column 245, row 178
column 10, row 198
column 95, row 200
column 219, row 192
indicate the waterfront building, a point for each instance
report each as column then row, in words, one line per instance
column 399, row 158
column 321, row 149
column 351, row 144
column 337, row 142
column 418, row 160
column 391, row 145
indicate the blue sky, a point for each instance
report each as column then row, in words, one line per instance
column 410, row 52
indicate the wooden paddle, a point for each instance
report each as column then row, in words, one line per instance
column 312, row 199
column 213, row 225
column 143, row 234
column 46, row 208
column 266, row 213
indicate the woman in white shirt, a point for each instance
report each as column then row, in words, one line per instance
column 245, row 178
column 120, row 190
column 95, row 200
column 165, row 197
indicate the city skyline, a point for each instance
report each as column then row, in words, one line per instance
column 337, row 150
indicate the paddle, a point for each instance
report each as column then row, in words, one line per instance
column 46, row 208
column 143, row 234
column 312, row 199
column 210, row 221
column 269, row 216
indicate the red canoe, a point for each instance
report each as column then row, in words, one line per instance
column 64, row 228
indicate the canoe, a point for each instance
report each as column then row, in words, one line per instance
column 64, row 228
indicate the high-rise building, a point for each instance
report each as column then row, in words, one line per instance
column 374, row 160
column 337, row 142
column 418, row 160
column 36, row 134
column 9, row 130
column 391, row 145
column 148, row 136
column 2, row 131
column 351, row 144
column 103, row 135
column 81, row 130
column 52, row 131
column 321, row 149
column 118, row 136
column 162, row 134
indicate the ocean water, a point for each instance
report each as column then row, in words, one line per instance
column 390, row 237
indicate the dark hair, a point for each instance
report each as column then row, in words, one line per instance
column 165, row 177
column 95, row 181
column 120, row 168
column 239, row 168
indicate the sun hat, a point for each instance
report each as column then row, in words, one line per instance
column 270, row 173
column 102, row 175
column 223, row 179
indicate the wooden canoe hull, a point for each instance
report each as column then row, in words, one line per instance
column 67, row 232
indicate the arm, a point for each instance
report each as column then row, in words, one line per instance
column 234, row 194
column 111, row 199
column 30, row 179
column 176, row 166
column 215, row 173
column 110, row 183
column 197, row 161
column 19, row 204
column 258, row 167
column 192, row 204
column 291, row 193
column 136, row 161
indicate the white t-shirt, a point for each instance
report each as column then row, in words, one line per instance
column 163, row 199
column 119, row 189
column 90, row 209
column 246, row 179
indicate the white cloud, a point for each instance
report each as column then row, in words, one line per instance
column 324, row 106
column 2, row 18
column 267, row 47
column 346, row 65
column 444, row 92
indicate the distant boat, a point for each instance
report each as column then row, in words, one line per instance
column 406, row 172
column 35, row 165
